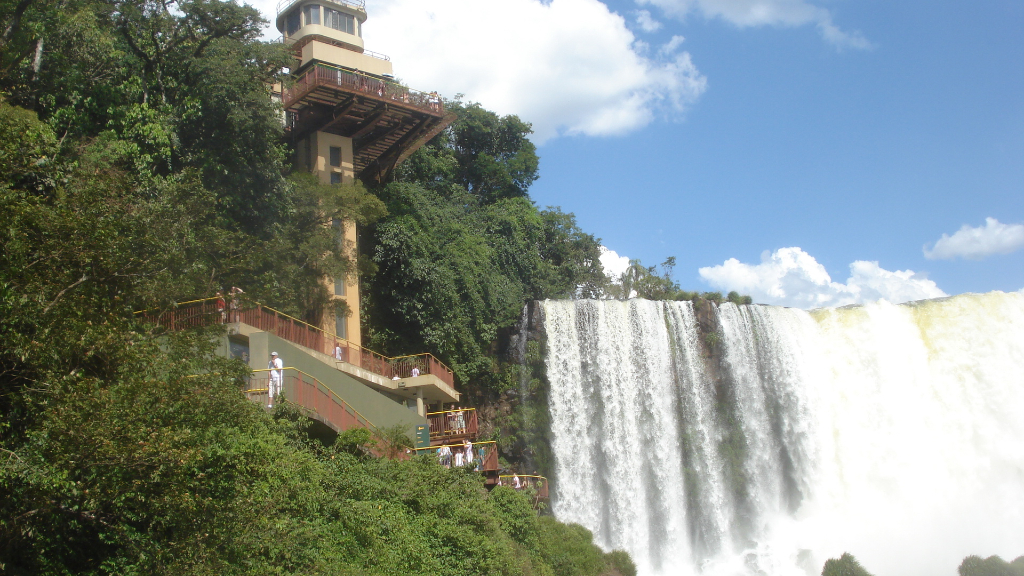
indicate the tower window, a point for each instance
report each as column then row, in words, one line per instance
column 293, row 23
column 339, row 287
column 339, row 21
column 336, row 156
column 312, row 13
column 341, row 326
column 335, row 177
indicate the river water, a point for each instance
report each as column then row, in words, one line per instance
column 776, row 438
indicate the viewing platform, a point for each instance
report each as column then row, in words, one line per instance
column 385, row 120
column 450, row 426
column 538, row 484
column 394, row 376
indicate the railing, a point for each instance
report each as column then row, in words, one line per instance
column 526, row 481
column 452, row 423
column 198, row 313
column 323, row 75
column 311, row 395
column 376, row 55
column 485, row 455
column 283, row 5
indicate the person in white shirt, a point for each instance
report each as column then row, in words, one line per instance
column 469, row 453
column 337, row 351
column 276, row 377
column 415, row 371
column 459, row 458
column 516, row 483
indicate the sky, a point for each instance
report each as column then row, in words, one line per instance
column 805, row 152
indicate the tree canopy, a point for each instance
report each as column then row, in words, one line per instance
column 463, row 247
column 142, row 163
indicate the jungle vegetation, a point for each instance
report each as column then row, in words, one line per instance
column 142, row 163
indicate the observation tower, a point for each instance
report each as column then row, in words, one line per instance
column 346, row 116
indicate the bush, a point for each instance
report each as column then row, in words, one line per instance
column 991, row 566
column 845, row 565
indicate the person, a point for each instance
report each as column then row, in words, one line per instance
column 460, row 422
column 415, row 371
column 221, row 306
column 445, row 456
column 468, row 447
column 459, row 458
column 516, row 483
column 233, row 302
column 276, row 377
column 337, row 351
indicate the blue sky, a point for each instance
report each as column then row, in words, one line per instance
column 850, row 155
column 771, row 143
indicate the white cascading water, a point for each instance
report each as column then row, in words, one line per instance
column 776, row 438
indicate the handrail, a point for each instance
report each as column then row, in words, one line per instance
column 456, row 445
column 357, row 4
column 338, row 338
column 321, row 74
column 332, row 392
column 522, row 476
column 376, row 55
column 367, row 359
column 453, row 410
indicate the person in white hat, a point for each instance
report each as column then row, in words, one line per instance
column 276, row 376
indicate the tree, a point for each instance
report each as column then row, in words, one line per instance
column 488, row 155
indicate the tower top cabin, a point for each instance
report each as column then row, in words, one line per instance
column 341, row 89
column 330, row 31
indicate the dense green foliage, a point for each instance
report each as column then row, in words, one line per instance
column 463, row 247
column 142, row 163
column 991, row 566
column 845, row 565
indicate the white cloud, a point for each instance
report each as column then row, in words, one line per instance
column 977, row 243
column 646, row 22
column 613, row 264
column 749, row 13
column 792, row 277
column 672, row 45
column 567, row 66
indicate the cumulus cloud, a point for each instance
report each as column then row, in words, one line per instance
column 567, row 66
column 977, row 243
column 782, row 13
column 646, row 22
column 613, row 264
column 792, row 277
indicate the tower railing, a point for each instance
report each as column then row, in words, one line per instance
column 350, row 81
column 284, row 5
column 208, row 311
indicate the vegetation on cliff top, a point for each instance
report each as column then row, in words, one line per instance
column 142, row 163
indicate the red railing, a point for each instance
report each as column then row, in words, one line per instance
column 485, row 455
column 311, row 395
column 209, row 311
column 452, row 424
column 526, row 481
column 323, row 75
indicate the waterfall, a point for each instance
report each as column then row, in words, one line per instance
column 737, row 440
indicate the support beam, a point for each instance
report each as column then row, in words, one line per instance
column 371, row 121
